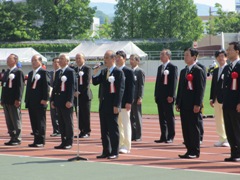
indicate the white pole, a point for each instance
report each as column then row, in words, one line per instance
column 223, row 46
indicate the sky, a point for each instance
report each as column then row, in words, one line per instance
column 228, row 5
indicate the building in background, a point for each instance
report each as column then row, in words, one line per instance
column 237, row 5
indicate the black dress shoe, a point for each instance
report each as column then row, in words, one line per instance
column 67, row 147
column 55, row 134
column 35, row 145
column 12, row 143
column 159, row 141
column 85, row 136
column 169, row 141
column 81, row 135
column 102, row 156
column 188, row 156
column 113, row 157
column 232, row 159
column 59, row 147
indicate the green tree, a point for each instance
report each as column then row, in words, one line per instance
column 227, row 22
column 172, row 19
column 17, row 22
column 63, row 18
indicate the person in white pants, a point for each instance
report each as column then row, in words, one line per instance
column 124, row 122
column 216, row 98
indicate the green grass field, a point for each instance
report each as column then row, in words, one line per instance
column 149, row 106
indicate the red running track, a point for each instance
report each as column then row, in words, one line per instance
column 143, row 153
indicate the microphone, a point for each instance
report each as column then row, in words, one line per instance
column 97, row 65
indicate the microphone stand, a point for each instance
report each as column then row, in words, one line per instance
column 78, row 157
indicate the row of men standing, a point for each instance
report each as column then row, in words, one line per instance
column 189, row 100
column 63, row 82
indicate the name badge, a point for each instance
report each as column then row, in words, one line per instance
column 4, row 84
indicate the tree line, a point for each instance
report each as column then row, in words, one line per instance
column 134, row 19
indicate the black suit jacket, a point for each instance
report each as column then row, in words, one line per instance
column 162, row 91
column 216, row 91
column 231, row 97
column 139, row 77
column 41, row 92
column 84, row 89
column 59, row 97
column 109, row 100
column 186, row 98
column 9, row 95
column 129, row 86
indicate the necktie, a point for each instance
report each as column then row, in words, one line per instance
column 219, row 72
column 54, row 74
column 108, row 73
column 187, row 70
column 60, row 73
column 230, row 68
column 163, row 67
column 33, row 76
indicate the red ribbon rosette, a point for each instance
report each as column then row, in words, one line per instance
column 190, row 79
column 234, row 80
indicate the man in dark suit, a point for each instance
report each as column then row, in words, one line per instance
column 36, row 100
column 201, row 113
column 124, row 122
column 136, row 110
column 62, row 100
column 231, row 101
column 164, row 94
column 216, row 98
column 112, row 86
column 84, row 95
column 189, row 101
column 12, row 89
column 53, row 111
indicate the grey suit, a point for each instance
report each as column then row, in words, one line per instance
column 136, row 110
column 9, row 95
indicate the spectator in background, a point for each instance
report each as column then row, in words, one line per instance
column 136, row 110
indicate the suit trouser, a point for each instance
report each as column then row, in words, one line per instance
column 14, row 121
column 109, row 132
column 220, row 128
column 84, row 116
column 66, row 124
column 54, row 118
column 125, row 131
column 136, row 120
column 38, row 122
column 166, row 120
column 190, row 130
column 232, row 127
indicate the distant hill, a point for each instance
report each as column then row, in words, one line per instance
column 106, row 8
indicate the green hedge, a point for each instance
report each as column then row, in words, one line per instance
column 42, row 47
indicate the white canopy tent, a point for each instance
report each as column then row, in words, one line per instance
column 96, row 50
column 24, row 54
